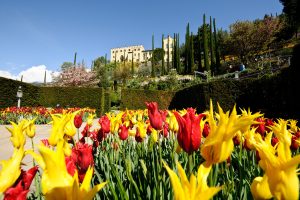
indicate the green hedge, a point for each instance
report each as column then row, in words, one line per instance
column 51, row 96
column 72, row 97
column 135, row 99
column 8, row 93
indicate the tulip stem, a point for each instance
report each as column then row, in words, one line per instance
column 190, row 164
column 77, row 134
column 32, row 145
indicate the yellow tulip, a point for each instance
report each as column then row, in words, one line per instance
column 260, row 188
column 17, row 134
column 56, row 182
column 278, row 164
column 293, row 126
column 154, row 135
column 218, row 145
column 58, row 125
column 11, row 169
column 90, row 119
column 142, row 129
column 115, row 122
column 173, row 124
column 30, row 127
column 194, row 189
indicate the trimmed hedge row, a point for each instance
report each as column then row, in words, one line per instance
column 72, row 97
column 274, row 96
column 135, row 98
column 51, row 96
column 8, row 93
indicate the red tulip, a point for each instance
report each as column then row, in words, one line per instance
column 189, row 133
column 80, row 160
column 85, row 132
column 155, row 117
column 165, row 129
column 260, row 127
column 105, row 124
column 206, row 130
column 149, row 129
column 268, row 123
column 123, row 132
column 274, row 141
column 82, row 154
column 45, row 142
column 19, row 192
column 294, row 144
column 77, row 121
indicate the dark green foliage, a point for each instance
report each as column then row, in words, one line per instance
column 191, row 55
column 218, row 64
column 71, row 97
column 152, row 58
column 163, row 71
column 168, row 59
column 107, row 101
column 50, row 96
column 205, row 45
column 198, row 51
column 135, row 99
column 211, row 47
column 187, row 50
column 8, row 92
column 74, row 64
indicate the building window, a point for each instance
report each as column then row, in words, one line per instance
column 128, row 49
column 113, row 52
column 120, row 50
column 116, row 51
column 134, row 49
column 138, row 49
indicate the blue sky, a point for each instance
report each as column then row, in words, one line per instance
column 44, row 34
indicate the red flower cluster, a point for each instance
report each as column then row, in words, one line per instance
column 21, row 187
column 80, row 160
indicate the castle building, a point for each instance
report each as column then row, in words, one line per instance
column 138, row 53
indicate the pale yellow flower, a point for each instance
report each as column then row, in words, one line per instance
column 194, row 189
column 17, row 134
column 11, row 169
column 278, row 164
column 56, row 182
column 218, row 145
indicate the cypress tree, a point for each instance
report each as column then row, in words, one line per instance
column 45, row 81
column 152, row 58
column 178, row 54
column 105, row 61
column 191, row 57
column 187, row 50
column 205, row 45
column 212, row 54
column 168, row 59
column 174, row 52
column 132, row 64
column 200, row 50
column 75, row 59
column 218, row 64
column 163, row 56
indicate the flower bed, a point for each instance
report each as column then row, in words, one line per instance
column 158, row 154
column 42, row 114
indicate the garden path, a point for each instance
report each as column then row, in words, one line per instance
column 42, row 132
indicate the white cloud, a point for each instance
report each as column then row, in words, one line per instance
column 7, row 74
column 32, row 74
